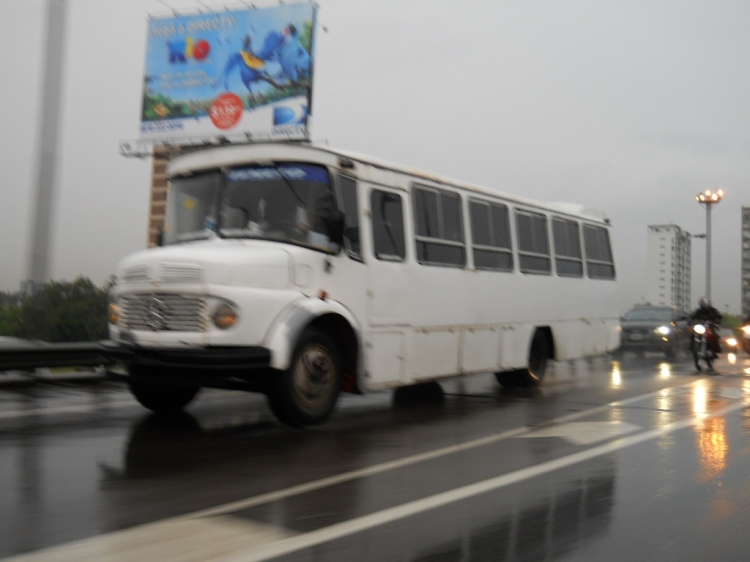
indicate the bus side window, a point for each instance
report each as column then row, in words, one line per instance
column 533, row 243
column 387, row 226
column 598, row 252
column 567, row 238
column 490, row 233
column 348, row 188
column 439, row 235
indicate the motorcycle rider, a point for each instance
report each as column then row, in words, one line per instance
column 703, row 313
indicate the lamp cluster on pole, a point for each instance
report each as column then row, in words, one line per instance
column 708, row 198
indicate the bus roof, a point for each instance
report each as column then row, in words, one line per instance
column 231, row 155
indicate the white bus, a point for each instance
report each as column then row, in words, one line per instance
column 301, row 271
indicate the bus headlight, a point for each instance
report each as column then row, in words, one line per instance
column 663, row 330
column 225, row 316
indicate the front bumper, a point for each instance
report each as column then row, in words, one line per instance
column 235, row 368
column 218, row 358
column 649, row 343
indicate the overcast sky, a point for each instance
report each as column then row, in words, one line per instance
column 631, row 107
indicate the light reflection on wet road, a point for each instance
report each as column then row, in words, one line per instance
column 631, row 459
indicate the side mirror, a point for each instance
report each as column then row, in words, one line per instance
column 334, row 222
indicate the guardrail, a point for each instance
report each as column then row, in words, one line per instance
column 22, row 354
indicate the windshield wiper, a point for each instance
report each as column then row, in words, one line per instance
column 289, row 185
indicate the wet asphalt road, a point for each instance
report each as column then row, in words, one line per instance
column 627, row 460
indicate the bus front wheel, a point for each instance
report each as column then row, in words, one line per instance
column 306, row 393
column 163, row 399
column 534, row 373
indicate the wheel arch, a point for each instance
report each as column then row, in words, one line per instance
column 328, row 316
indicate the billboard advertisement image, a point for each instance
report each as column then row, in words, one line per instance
column 231, row 73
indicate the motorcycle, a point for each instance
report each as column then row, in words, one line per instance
column 703, row 352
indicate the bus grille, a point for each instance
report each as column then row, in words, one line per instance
column 163, row 312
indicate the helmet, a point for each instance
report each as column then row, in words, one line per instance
column 703, row 302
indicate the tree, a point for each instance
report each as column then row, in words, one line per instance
column 10, row 318
column 65, row 312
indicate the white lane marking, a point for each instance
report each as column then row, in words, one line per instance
column 585, row 433
column 120, row 536
column 367, row 522
column 194, row 540
column 73, row 409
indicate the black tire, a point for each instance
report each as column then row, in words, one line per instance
column 534, row 374
column 697, row 361
column 163, row 399
column 306, row 393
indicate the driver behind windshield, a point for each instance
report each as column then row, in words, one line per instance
column 284, row 203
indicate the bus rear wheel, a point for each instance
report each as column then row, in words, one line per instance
column 306, row 393
column 537, row 365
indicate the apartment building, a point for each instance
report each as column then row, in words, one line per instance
column 668, row 273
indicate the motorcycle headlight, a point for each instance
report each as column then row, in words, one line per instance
column 663, row 330
column 225, row 316
column 699, row 329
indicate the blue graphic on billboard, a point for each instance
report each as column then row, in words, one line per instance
column 242, row 72
column 293, row 114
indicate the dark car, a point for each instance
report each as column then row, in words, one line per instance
column 729, row 341
column 654, row 328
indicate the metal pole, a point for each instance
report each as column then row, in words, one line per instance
column 46, row 157
column 708, row 251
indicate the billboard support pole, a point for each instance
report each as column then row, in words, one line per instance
column 46, row 156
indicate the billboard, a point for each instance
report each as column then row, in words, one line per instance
column 231, row 73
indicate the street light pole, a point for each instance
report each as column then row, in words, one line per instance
column 707, row 199
column 708, row 252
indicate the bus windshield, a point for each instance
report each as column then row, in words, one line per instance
column 285, row 202
column 646, row 314
column 191, row 209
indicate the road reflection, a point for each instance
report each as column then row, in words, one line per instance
column 544, row 524
column 710, row 432
column 712, row 447
column 665, row 370
column 616, row 375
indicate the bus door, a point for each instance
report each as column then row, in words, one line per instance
column 388, row 288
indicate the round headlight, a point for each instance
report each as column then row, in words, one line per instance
column 113, row 313
column 731, row 342
column 699, row 329
column 225, row 316
column 746, row 329
column 663, row 330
